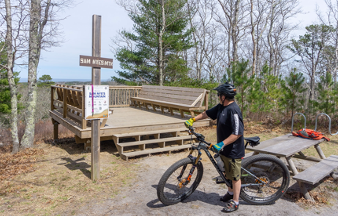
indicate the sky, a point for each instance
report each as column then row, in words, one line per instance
column 63, row 62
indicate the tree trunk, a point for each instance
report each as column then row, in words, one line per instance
column 197, row 62
column 35, row 39
column 271, row 52
column 312, row 85
column 254, row 50
column 160, row 44
column 234, row 31
column 11, row 81
column 336, row 57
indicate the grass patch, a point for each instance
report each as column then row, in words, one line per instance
column 60, row 180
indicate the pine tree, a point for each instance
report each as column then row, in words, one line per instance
column 264, row 94
column 238, row 74
column 292, row 87
column 159, row 34
column 45, row 80
column 5, row 94
column 325, row 102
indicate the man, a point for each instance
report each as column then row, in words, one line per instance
column 230, row 140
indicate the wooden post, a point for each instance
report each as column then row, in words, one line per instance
column 64, row 103
column 301, row 184
column 84, row 121
column 56, row 129
column 320, row 152
column 96, row 80
column 206, row 100
column 52, row 98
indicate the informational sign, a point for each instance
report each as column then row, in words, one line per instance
column 96, row 102
column 96, row 62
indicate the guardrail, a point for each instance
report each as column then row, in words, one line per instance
column 69, row 100
column 120, row 95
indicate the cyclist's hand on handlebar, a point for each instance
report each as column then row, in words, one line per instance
column 217, row 147
column 189, row 123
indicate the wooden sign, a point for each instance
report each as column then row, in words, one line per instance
column 96, row 62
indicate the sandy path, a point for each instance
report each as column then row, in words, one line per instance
column 141, row 198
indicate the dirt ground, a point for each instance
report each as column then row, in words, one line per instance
column 59, row 184
column 141, row 198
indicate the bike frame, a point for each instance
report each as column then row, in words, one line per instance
column 206, row 146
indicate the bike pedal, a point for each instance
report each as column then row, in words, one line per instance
column 218, row 180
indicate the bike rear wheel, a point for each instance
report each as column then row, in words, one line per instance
column 269, row 169
column 174, row 186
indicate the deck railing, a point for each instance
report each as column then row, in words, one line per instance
column 120, row 95
column 68, row 100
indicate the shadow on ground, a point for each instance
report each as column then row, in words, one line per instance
column 78, row 164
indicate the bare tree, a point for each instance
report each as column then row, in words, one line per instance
column 233, row 17
column 15, row 46
column 331, row 19
column 259, row 13
column 31, row 26
column 279, row 32
column 43, row 28
column 206, row 37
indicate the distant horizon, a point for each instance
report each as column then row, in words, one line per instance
column 23, row 80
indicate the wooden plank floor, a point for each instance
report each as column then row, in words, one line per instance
column 129, row 120
column 130, row 117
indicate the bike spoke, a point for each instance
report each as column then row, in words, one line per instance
column 267, row 175
column 176, row 187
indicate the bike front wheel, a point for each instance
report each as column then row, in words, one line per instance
column 265, row 179
column 175, row 186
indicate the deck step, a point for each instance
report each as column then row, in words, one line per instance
column 317, row 172
column 142, row 133
column 151, row 141
column 157, row 150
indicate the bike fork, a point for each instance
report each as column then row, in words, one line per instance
column 195, row 160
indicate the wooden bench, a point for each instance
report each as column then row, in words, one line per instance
column 317, row 172
column 172, row 98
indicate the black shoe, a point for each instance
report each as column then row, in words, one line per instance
column 230, row 207
column 226, row 197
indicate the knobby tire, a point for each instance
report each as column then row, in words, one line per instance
column 180, row 194
column 275, row 172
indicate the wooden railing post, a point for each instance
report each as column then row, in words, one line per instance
column 207, row 100
column 65, row 103
column 120, row 95
column 52, row 98
column 84, row 121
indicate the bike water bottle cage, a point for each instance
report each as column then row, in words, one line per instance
column 252, row 141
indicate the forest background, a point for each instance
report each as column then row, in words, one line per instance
column 189, row 43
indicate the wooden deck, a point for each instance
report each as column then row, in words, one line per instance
column 128, row 120
column 135, row 131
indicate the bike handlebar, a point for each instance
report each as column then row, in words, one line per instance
column 199, row 137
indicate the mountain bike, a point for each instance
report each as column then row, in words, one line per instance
column 265, row 178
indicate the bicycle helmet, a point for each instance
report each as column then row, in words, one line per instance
column 226, row 89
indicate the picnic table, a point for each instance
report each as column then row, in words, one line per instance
column 290, row 147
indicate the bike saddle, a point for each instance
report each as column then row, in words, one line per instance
column 253, row 141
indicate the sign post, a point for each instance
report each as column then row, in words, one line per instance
column 96, row 80
column 96, row 62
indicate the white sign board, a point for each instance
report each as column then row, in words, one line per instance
column 96, row 102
